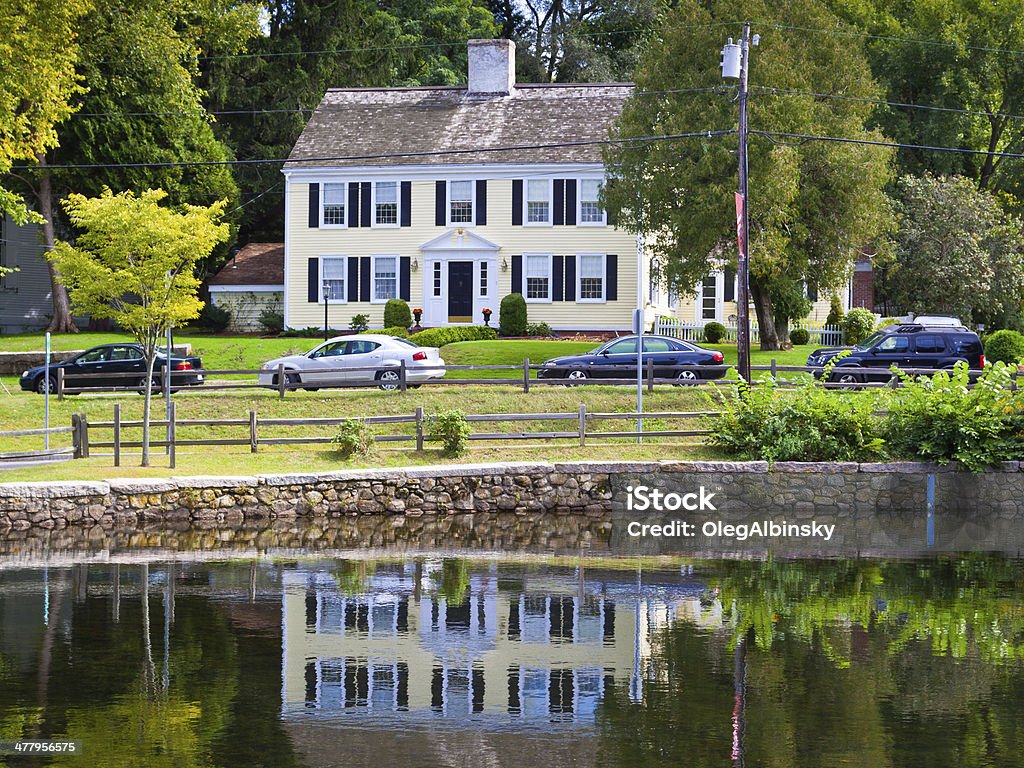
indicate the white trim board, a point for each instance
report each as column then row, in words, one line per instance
column 244, row 288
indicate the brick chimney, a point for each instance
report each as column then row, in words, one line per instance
column 492, row 67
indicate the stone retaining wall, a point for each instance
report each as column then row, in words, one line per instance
column 876, row 506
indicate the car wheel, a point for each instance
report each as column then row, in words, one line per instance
column 686, row 377
column 389, row 380
column 576, row 376
column 141, row 386
column 847, row 380
column 41, row 387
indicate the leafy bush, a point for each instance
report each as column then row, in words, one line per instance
column 400, row 332
column 538, row 329
column 438, row 337
column 359, row 323
column 397, row 314
column 799, row 336
column 214, row 318
column 857, row 325
column 354, row 438
column 810, row 424
column 714, row 332
column 452, row 429
column 310, row 332
column 835, row 311
column 1005, row 346
column 513, row 315
column 272, row 320
column 941, row 419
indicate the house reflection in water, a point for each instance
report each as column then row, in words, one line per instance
column 511, row 648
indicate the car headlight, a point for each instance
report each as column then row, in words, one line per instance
column 24, row 374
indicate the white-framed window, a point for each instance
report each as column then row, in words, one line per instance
column 483, row 279
column 537, row 201
column 437, row 278
column 332, row 204
column 385, row 278
column 537, row 276
column 709, row 298
column 590, row 212
column 385, row 203
column 590, row 282
column 461, row 202
column 333, row 277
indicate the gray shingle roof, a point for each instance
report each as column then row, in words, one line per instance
column 255, row 264
column 372, row 122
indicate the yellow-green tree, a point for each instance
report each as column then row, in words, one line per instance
column 134, row 262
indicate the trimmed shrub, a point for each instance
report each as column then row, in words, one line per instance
column 714, row 332
column 311, row 332
column 438, row 337
column 397, row 314
column 400, row 332
column 799, row 336
column 835, row 311
column 360, row 323
column 354, row 438
column 1005, row 346
column 272, row 321
column 538, row 329
column 214, row 318
column 513, row 315
column 857, row 325
column 452, row 430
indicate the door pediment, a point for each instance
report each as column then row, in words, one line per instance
column 452, row 241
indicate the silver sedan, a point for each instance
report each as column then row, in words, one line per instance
column 366, row 358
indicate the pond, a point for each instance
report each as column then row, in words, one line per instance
column 468, row 659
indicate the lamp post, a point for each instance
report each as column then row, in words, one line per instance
column 327, row 294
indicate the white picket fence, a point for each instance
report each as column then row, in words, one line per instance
column 821, row 334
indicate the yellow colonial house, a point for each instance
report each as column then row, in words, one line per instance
column 454, row 197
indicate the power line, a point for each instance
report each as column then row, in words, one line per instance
column 771, row 91
column 803, row 138
column 386, row 156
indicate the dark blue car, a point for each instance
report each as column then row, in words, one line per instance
column 616, row 359
column 123, row 365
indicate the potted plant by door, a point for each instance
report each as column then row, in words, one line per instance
column 417, row 313
column 487, row 316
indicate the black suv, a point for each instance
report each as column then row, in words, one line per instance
column 908, row 346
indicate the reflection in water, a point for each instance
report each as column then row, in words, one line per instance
column 428, row 662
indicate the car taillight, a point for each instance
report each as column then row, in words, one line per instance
column 185, row 366
column 982, row 360
column 718, row 357
column 419, row 355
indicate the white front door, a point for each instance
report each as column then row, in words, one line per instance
column 457, row 287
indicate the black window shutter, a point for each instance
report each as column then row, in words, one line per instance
column 570, row 201
column 364, row 278
column 559, row 202
column 812, row 292
column 405, row 278
column 314, row 205
column 440, row 203
column 570, row 278
column 353, row 279
column 353, row 204
column 517, row 202
column 610, row 215
column 517, row 274
column 729, row 294
column 557, row 278
column 406, row 197
column 313, row 281
column 481, row 202
column 364, row 204
column 611, row 274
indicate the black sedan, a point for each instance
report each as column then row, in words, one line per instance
column 616, row 359
column 123, row 365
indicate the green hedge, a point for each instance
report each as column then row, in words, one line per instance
column 397, row 314
column 438, row 337
column 513, row 315
column 799, row 336
column 396, row 331
column 1005, row 346
column 714, row 332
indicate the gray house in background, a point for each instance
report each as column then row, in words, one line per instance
column 25, row 303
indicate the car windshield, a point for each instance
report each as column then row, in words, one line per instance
column 870, row 341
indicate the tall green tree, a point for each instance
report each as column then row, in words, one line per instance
column 310, row 46
column 955, row 251
column 142, row 107
column 134, row 262
column 813, row 205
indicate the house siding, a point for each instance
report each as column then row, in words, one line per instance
column 25, row 303
column 305, row 242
